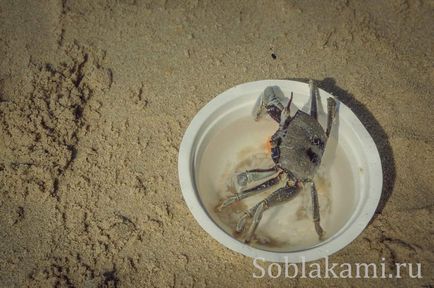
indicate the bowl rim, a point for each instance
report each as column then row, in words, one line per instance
column 342, row 238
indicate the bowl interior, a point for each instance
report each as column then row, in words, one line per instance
column 230, row 141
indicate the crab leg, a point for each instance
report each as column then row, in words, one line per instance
column 316, row 214
column 331, row 112
column 283, row 124
column 280, row 133
column 313, row 96
column 277, row 197
column 250, row 192
column 250, row 176
column 284, row 116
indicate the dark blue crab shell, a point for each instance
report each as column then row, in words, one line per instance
column 302, row 147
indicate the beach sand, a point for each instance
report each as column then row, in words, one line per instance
column 95, row 97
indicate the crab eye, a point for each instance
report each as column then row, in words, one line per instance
column 316, row 141
column 313, row 157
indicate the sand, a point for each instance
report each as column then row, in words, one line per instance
column 96, row 95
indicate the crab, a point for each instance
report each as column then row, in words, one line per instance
column 296, row 150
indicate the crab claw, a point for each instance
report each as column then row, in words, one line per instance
column 242, row 179
column 267, row 99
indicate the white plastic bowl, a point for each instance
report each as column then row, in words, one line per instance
column 223, row 134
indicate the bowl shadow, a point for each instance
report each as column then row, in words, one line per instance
column 374, row 128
